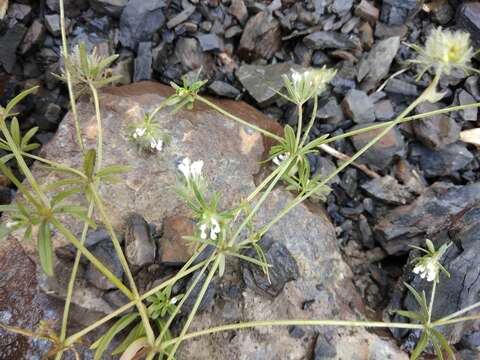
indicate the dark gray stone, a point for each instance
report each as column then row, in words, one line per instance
column 283, row 268
column 387, row 189
column 21, row 12
column 34, row 37
column 9, row 43
column 181, row 17
column 379, row 60
column 52, row 23
column 105, row 252
column 210, row 42
column 329, row 109
column 224, row 89
column 207, row 300
column 323, row 349
column 465, row 98
column 261, row 37
column 384, row 110
column 442, row 162
column 359, row 107
column 189, row 53
column 140, row 248
column 401, row 87
column 435, row 131
column 330, row 40
column 139, row 21
column 408, row 225
column 143, row 62
column 442, row 13
column 468, row 18
column 111, row 7
column 395, row 12
column 341, row 6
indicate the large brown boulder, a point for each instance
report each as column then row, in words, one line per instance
column 323, row 288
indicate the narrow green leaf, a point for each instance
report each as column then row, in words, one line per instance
column 6, row 158
column 12, row 103
column 410, row 314
column 443, row 341
column 15, row 130
column 421, row 345
column 137, row 332
column 113, row 170
column 89, row 162
column 28, row 136
column 134, row 348
column 45, row 248
column 64, row 195
column 60, row 183
column 102, row 344
column 437, row 348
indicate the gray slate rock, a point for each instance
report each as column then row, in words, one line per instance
column 330, row 40
column 379, row 60
column 261, row 37
column 341, row 6
column 33, row 38
column 224, row 89
column 396, row 12
column 209, row 42
column 283, row 269
column 358, row 106
column 261, row 80
column 464, row 98
column 9, row 43
column 110, row 7
column 409, row 224
column 52, row 23
column 140, row 248
column 436, row 131
column 401, row 87
column 105, row 252
column 140, row 20
column 442, row 162
column 388, row 189
column 143, row 62
column 468, row 19
column 188, row 51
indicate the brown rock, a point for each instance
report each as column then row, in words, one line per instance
column 239, row 10
column 261, row 37
column 174, row 250
column 367, row 11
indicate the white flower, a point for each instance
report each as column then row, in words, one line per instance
column 11, row 224
column 174, row 300
column 211, row 224
column 277, row 160
column 191, row 170
column 427, row 269
column 445, row 50
column 139, row 132
column 156, row 144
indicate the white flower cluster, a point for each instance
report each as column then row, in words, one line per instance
column 155, row 144
column 189, row 169
column 427, row 269
column 212, row 225
column 277, row 160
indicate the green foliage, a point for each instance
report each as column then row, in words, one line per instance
column 22, row 142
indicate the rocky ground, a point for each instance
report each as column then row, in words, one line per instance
column 428, row 178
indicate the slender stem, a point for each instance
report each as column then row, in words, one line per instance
column 98, row 117
column 237, row 119
column 300, row 322
column 460, row 312
column 456, row 320
column 432, row 299
column 69, row 77
column 299, row 126
column 312, row 120
column 73, row 276
column 199, row 299
column 77, row 336
column 399, row 121
column 182, row 301
column 121, row 256
column 97, row 263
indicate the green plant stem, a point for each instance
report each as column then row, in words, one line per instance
column 77, row 336
column 199, row 299
column 54, row 164
column 237, row 119
column 269, row 323
column 460, row 312
column 182, row 301
column 432, row 299
column 69, row 77
column 312, row 120
column 95, row 262
column 302, row 197
column 121, row 256
column 299, row 126
column 456, row 320
column 98, row 117
column 284, row 166
column 399, row 121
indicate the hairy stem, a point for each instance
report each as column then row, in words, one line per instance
column 432, row 299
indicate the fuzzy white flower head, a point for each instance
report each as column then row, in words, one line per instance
column 139, row 132
column 191, row 170
column 211, row 224
column 445, row 50
column 156, row 144
column 11, row 224
column 429, row 266
column 301, row 86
